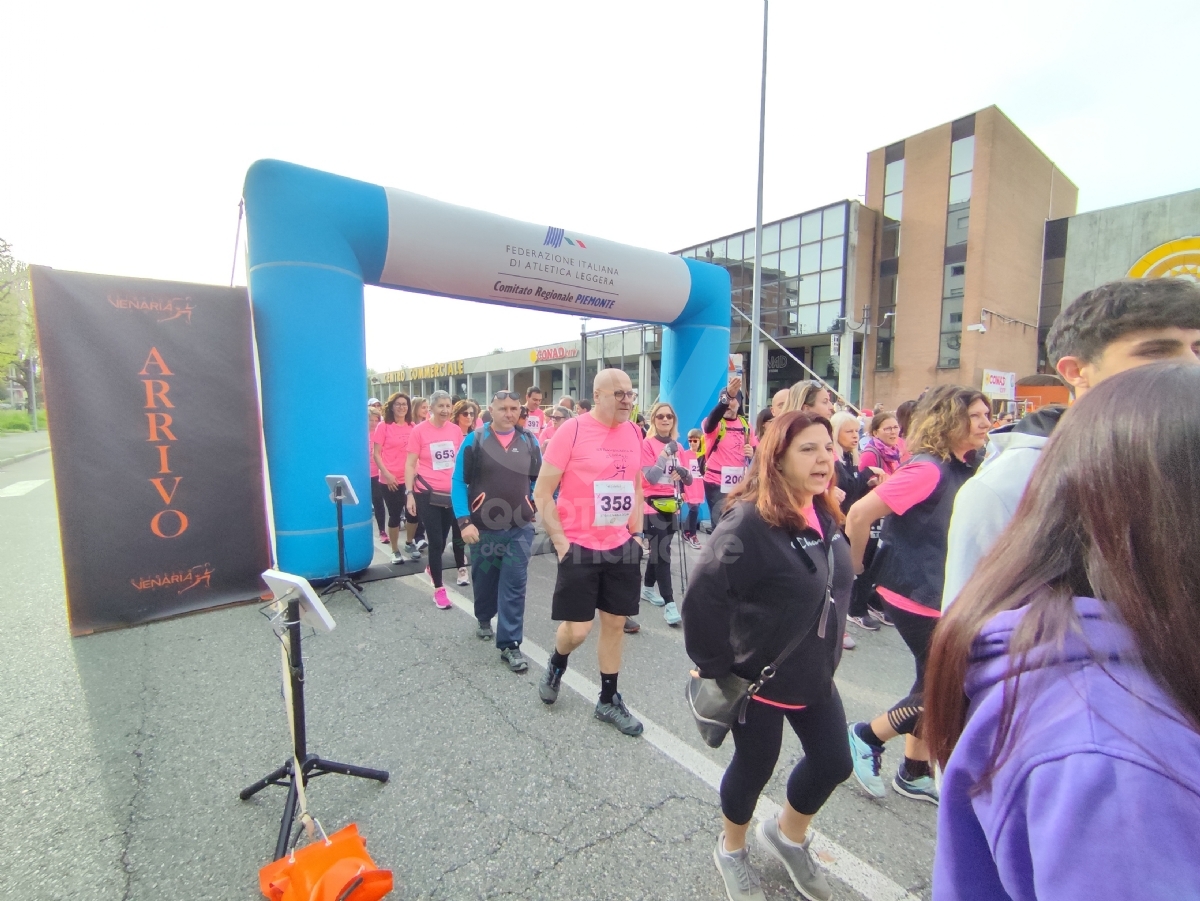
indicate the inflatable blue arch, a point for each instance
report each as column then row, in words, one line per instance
column 315, row 239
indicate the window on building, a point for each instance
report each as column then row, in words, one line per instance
column 950, row 339
column 884, row 322
column 789, row 232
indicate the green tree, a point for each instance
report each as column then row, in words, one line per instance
column 18, row 340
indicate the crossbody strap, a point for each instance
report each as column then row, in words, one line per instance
column 769, row 671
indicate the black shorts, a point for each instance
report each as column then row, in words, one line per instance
column 590, row 580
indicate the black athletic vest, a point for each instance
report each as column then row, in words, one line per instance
column 913, row 544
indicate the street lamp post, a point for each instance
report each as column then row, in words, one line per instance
column 758, row 348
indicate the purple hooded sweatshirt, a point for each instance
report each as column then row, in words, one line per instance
column 1101, row 798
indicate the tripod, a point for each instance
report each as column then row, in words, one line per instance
column 342, row 581
column 310, row 764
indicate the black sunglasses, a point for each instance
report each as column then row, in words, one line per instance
column 506, row 395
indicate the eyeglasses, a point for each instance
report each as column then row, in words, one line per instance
column 558, row 417
column 693, row 441
column 506, row 395
column 664, row 416
column 623, row 395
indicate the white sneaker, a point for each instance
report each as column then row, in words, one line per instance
column 398, row 558
column 463, row 578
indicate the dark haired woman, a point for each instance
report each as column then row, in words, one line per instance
column 1078, row 779
column 904, row 415
column 374, row 417
column 878, row 459
column 389, row 448
column 763, row 579
column 949, row 425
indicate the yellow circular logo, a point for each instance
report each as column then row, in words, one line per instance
column 533, row 356
column 1175, row 259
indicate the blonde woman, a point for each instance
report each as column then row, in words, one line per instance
column 664, row 475
column 810, row 397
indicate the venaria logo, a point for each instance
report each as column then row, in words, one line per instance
column 555, row 237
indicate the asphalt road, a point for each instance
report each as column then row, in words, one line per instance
column 124, row 752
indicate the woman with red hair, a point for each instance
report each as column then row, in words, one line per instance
column 777, row 567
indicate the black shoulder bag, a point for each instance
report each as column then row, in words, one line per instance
column 717, row 703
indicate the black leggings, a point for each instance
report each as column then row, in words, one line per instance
column 438, row 522
column 863, row 591
column 826, row 763
column 377, row 503
column 691, row 525
column 917, row 632
column 716, row 502
column 660, row 527
column 394, row 501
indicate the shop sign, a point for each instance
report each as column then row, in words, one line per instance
column 1000, row 385
column 546, row 354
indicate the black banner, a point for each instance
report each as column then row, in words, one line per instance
column 155, row 435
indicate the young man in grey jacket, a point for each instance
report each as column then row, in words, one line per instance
column 1107, row 330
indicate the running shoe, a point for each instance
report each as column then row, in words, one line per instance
column 651, row 596
column 693, row 540
column 550, row 684
column 671, row 614
column 631, row 626
column 411, row 550
column 618, row 714
column 866, row 621
column 741, row 881
column 866, row 764
column 463, row 578
column 421, row 544
column 882, row 617
column 398, row 558
column 383, row 539
column 442, row 599
column 484, row 632
column 796, row 859
column 848, row 642
column 923, row 788
column 515, row 659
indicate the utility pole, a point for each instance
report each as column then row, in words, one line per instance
column 756, row 395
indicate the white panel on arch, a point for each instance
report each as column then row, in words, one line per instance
column 446, row 249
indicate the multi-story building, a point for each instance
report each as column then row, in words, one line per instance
column 956, row 264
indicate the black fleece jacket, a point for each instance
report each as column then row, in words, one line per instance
column 754, row 588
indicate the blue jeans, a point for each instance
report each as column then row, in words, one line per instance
column 500, row 571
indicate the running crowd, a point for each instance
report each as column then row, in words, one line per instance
column 1044, row 573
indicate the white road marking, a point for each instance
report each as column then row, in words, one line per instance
column 16, row 489
column 841, row 863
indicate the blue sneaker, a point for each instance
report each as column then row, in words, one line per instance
column 866, row 764
column 651, row 596
column 923, row 788
column 671, row 614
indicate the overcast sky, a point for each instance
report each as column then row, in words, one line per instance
column 130, row 125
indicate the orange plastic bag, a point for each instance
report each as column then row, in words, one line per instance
column 337, row 868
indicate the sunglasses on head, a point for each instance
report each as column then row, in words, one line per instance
column 506, row 395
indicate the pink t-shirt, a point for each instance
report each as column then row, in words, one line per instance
column 810, row 516
column 730, row 451
column 392, row 438
column 505, row 438
column 651, row 449
column 547, row 432
column 693, row 493
column 436, row 449
column 536, row 422
column 600, row 466
column 371, row 457
column 908, row 487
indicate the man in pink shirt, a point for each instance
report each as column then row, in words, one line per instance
column 537, row 416
column 594, row 463
column 729, row 443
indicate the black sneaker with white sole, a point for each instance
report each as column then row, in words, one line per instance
column 515, row 659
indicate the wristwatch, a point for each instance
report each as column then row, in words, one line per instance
column 463, row 522
column 638, row 534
